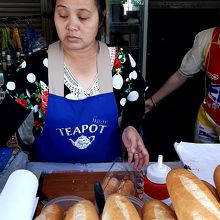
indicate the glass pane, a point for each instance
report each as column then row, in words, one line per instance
column 125, row 26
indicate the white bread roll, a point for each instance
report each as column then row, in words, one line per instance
column 118, row 207
column 82, row 210
column 126, row 188
column 51, row 212
column 216, row 177
column 110, row 185
column 191, row 198
column 156, row 210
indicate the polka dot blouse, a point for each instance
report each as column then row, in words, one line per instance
column 27, row 92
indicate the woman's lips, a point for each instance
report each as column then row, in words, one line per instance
column 72, row 38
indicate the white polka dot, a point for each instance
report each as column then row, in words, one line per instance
column 123, row 101
column 43, row 86
column 28, row 93
column 132, row 61
column 71, row 96
column 133, row 96
column 35, row 108
column 23, row 64
column 45, row 62
column 122, row 59
column 10, row 86
column 117, row 81
column 31, row 78
column 133, row 75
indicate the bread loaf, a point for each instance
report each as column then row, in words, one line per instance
column 51, row 212
column 113, row 185
column 126, row 188
column 156, row 210
column 118, row 207
column 82, row 210
column 190, row 197
column 110, row 185
column 216, row 177
column 212, row 189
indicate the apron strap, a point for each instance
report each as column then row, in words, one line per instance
column 104, row 69
column 56, row 69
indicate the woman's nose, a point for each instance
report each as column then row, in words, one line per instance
column 73, row 25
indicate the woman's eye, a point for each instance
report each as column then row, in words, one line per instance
column 63, row 16
column 83, row 18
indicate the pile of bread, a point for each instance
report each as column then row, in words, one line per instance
column 191, row 198
column 113, row 185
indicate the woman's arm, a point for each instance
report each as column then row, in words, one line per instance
column 192, row 62
column 130, row 101
column 23, row 94
column 175, row 81
column 130, row 96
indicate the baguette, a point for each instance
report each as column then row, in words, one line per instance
column 156, row 210
column 212, row 189
column 216, row 177
column 118, row 207
column 51, row 212
column 190, row 197
column 82, row 210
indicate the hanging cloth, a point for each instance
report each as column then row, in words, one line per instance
column 16, row 40
column 6, row 40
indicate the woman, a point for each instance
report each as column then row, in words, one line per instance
column 67, row 98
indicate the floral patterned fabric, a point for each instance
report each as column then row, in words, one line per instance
column 28, row 91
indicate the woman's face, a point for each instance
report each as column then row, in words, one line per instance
column 77, row 23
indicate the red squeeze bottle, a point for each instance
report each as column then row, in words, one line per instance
column 155, row 181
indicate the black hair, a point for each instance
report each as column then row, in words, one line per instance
column 101, row 6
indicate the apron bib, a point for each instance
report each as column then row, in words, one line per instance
column 211, row 103
column 79, row 131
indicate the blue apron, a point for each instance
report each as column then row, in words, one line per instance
column 79, row 131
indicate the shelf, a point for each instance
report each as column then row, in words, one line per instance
column 126, row 28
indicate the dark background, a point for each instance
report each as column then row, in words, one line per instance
column 170, row 35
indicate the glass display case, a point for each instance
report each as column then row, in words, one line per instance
column 126, row 26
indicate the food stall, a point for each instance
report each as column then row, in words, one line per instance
column 73, row 182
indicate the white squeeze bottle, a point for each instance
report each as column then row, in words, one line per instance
column 155, row 181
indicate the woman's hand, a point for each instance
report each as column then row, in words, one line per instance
column 135, row 147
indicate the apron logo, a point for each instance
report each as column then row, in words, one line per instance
column 82, row 142
column 213, row 76
column 214, row 92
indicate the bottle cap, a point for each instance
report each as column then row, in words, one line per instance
column 157, row 172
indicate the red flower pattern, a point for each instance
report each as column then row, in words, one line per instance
column 22, row 102
column 45, row 97
column 37, row 124
column 43, row 105
column 117, row 63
